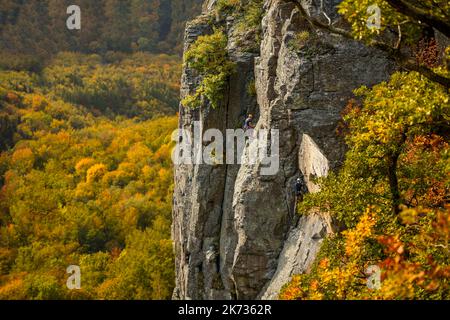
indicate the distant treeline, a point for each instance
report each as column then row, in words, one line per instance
column 39, row 27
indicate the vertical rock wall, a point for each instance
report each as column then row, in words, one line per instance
column 235, row 231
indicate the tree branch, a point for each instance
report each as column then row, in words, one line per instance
column 319, row 24
column 421, row 15
column 426, row 72
column 406, row 64
column 392, row 52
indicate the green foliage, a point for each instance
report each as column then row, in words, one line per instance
column 248, row 16
column 227, row 6
column 309, row 44
column 253, row 13
column 251, row 88
column 357, row 14
column 208, row 56
column 299, row 40
column 408, row 29
column 249, row 12
column 42, row 287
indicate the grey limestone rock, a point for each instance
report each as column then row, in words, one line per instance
column 236, row 233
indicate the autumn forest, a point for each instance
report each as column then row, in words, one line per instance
column 85, row 170
column 86, row 123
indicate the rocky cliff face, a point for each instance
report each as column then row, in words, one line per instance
column 236, row 232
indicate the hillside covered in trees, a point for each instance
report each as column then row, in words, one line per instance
column 86, row 177
column 39, row 27
column 86, row 118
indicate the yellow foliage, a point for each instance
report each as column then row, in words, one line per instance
column 354, row 238
column 343, row 279
column 127, row 168
column 23, row 159
column 84, row 191
column 96, row 172
column 37, row 102
column 12, row 290
column 163, row 153
column 293, row 290
column 83, row 165
column 139, row 152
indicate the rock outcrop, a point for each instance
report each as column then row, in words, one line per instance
column 236, row 232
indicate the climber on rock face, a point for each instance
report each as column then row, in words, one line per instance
column 249, row 123
column 300, row 188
